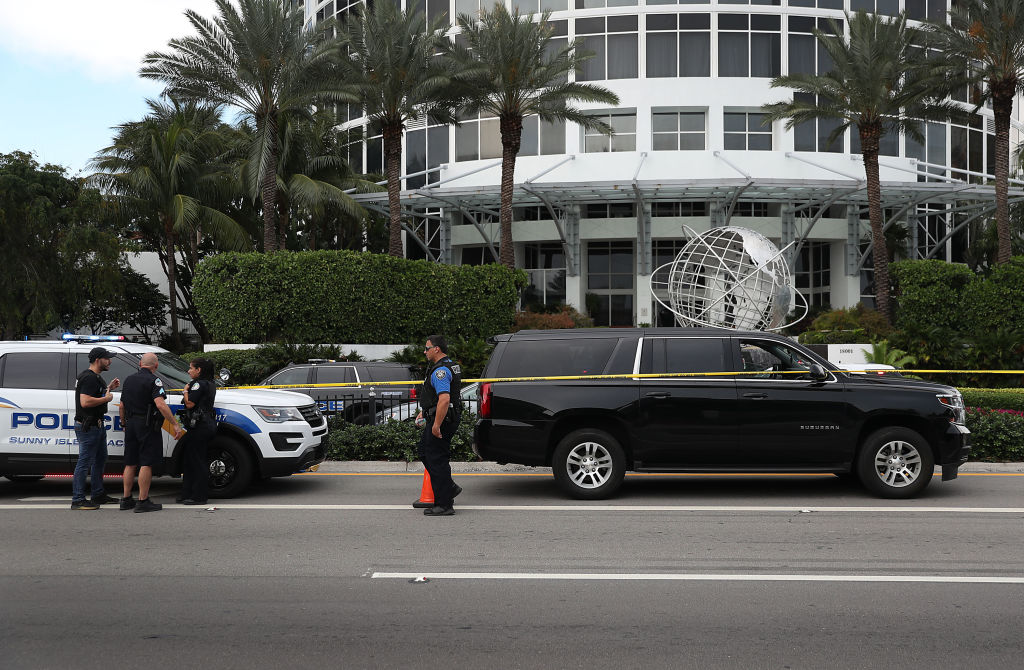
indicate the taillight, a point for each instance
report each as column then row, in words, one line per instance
column 485, row 400
column 412, row 393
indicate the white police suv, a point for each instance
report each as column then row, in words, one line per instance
column 260, row 433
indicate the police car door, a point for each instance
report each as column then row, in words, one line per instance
column 121, row 366
column 36, row 411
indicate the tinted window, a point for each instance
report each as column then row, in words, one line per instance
column 334, row 375
column 291, row 376
column 682, row 354
column 32, row 371
column 120, row 367
column 768, row 359
column 389, row 374
column 538, row 358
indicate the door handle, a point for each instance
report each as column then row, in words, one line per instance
column 657, row 395
column 755, row 396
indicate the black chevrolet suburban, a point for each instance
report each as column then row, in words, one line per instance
column 774, row 406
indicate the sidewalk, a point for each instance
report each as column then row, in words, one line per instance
column 491, row 467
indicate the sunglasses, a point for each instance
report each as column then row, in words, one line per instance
column 426, row 349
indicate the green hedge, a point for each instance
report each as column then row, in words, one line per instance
column 997, row 435
column 391, row 441
column 994, row 398
column 929, row 294
column 348, row 296
column 996, row 301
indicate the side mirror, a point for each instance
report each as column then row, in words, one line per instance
column 818, row 373
column 225, row 374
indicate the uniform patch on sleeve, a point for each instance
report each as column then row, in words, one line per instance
column 158, row 382
column 195, row 386
column 441, row 373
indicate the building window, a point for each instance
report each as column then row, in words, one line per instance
column 624, row 139
column 888, row 7
column 749, row 45
column 967, row 146
column 474, row 7
column 932, row 151
column 812, row 274
column 761, row 209
column 545, row 266
column 663, row 252
column 614, row 41
column 611, row 271
column 678, row 130
column 679, row 209
column 806, row 54
column 820, row 4
column 678, row 45
column 609, row 210
column 919, row 10
column 598, row 4
column 425, row 148
column 746, row 131
column 478, row 137
column 478, row 255
column 888, row 143
column 814, row 135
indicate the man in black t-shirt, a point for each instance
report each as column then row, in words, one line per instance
column 91, row 397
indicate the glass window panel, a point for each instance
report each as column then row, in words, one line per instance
column 490, row 139
column 662, row 60
column 554, row 5
column 682, row 355
column 335, row 375
column 624, row 143
column 622, row 24
column 661, row 21
column 292, row 376
column 735, row 122
column 622, row 259
column 666, row 142
column 552, row 138
column 889, row 145
column 622, row 56
column 772, row 22
column 937, row 143
column 529, row 139
column 825, row 128
column 572, row 356
column 694, row 21
column 466, row 7
column 694, row 55
column 30, row 370
column 735, row 141
column 733, row 55
column 830, row 4
column 623, row 123
column 765, row 55
column 621, row 281
column 596, row 144
column 621, row 311
column 598, row 281
column 590, row 26
column 759, row 142
column 801, row 24
column 467, row 142
column 691, row 121
column 665, row 122
column 525, row 6
column 801, row 54
column 438, row 10
column 974, row 148
column 593, row 68
column 415, row 157
column 866, row 5
column 888, row 7
column 733, row 21
column 691, row 142
column 622, row 3
column 437, row 147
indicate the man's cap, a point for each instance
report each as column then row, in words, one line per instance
column 98, row 352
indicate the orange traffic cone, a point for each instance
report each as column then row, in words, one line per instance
column 426, row 494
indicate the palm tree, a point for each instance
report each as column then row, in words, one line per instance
column 879, row 83
column 259, row 59
column 508, row 66
column 162, row 170
column 392, row 67
column 884, row 353
column 986, row 38
column 313, row 173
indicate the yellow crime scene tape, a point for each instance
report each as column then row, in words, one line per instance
column 656, row 375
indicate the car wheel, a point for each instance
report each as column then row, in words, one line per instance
column 895, row 463
column 589, row 464
column 231, row 468
column 24, row 478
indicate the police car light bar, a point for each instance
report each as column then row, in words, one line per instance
column 71, row 337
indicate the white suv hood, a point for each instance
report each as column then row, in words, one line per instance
column 263, row 397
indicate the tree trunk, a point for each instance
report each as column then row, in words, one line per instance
column 269, row 190
column 393, row 169
column 283, row 207
column 870, row 135
column 1002, row 107
column 511, row 136
column 172, row 281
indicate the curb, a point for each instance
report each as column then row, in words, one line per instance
column 492, row 467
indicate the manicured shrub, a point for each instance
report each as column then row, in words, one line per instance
column 930, row 294
column 996, row 301
column 858, row 325
column 564, row 317
column 997, row 435
column 994, row 398
column 347, row 296
column 391, row 441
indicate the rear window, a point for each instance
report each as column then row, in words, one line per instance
column 554, row 358
column 335, row 375
column 35, row 370
column 682, row 354
column 389, row 374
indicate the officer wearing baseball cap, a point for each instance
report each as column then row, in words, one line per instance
column 91, row 397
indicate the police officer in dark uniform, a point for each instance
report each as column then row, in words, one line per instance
column 440, row 412
column 201, row 424
column 143, row 410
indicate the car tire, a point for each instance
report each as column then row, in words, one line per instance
column 231, row 467
column 895, row 463
column 24, row 478
column 589, row 464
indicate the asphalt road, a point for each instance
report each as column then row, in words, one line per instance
column 676, row 572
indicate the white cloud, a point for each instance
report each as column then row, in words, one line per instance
column 105, row 38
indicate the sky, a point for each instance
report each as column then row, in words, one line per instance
column 69, row 71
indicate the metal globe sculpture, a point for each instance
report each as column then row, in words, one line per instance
column 729, row 277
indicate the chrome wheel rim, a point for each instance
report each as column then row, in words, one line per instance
column 898, row 464
column 589, row 465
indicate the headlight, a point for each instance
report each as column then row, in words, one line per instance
column 955, row 402
column 279, row 414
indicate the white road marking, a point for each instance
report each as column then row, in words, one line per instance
column 39, row 503
column 657, row 576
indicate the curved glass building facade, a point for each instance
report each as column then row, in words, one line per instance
column 596, row 215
